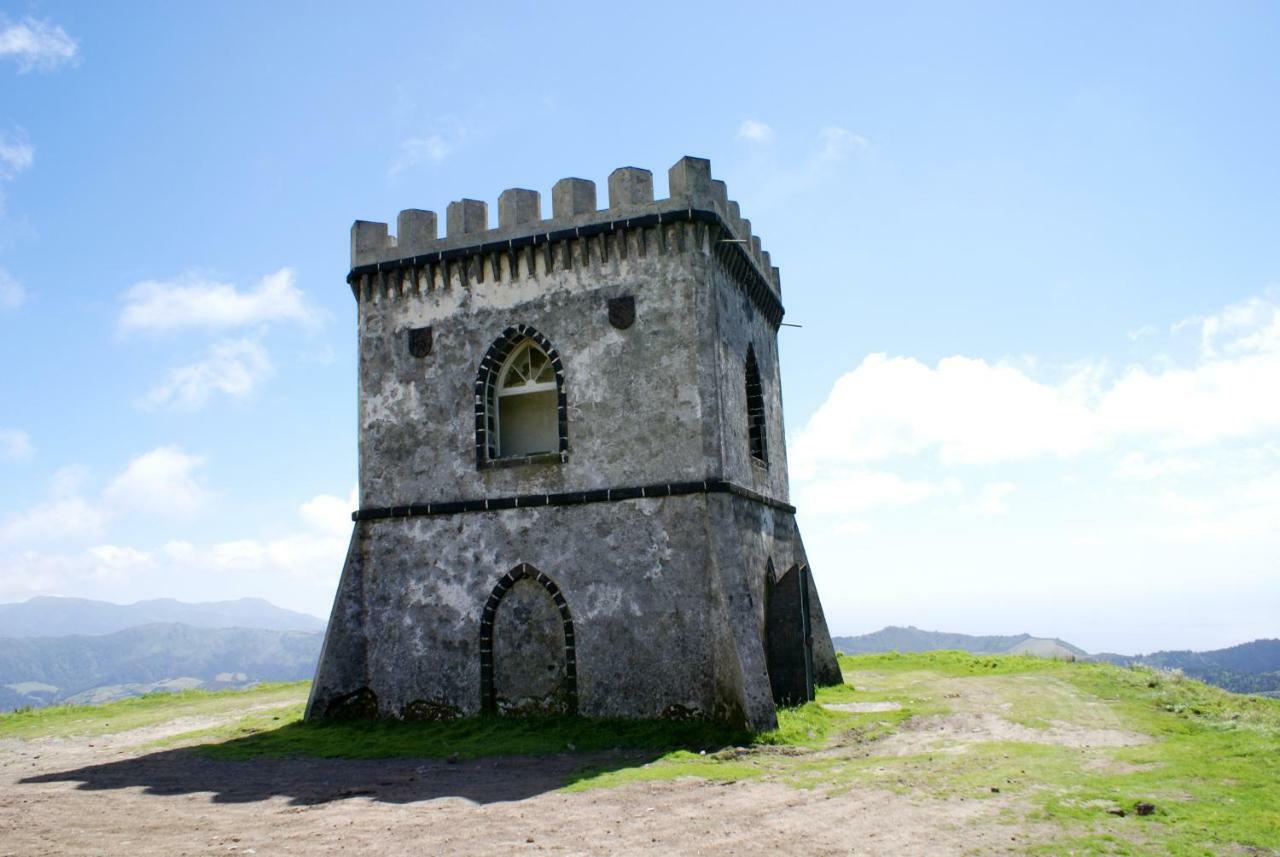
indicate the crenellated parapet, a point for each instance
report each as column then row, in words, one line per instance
column 698, row 212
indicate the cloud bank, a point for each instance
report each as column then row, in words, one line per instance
column 966, row 410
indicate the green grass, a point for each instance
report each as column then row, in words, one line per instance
column 467, row 738
column 149, row 710
column 1210, row 764
column 1211, row 768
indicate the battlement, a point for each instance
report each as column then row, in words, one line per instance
column 695, row 196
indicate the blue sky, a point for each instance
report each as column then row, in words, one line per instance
column 1032, row 247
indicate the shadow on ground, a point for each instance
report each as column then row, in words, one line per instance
column 309, row 781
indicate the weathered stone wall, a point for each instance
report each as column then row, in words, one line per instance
column 660, row 600
column 666, row 597
column 735, row 324
column 635, row 413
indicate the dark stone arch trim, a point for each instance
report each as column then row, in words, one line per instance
column 488, row 703
column 486, row 384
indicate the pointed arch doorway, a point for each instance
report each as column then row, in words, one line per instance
column 528, row 655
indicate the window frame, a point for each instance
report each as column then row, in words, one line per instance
column 502, row 390
column 757, row 414
column 488, row 377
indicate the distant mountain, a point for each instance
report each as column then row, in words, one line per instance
column 1246, row 668
column 47, row 616
column 39, row 671
column 912, row 639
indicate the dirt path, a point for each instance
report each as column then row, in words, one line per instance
column 982, row 706
column 108, row 795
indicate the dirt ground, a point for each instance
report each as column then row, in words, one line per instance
column 109, row 795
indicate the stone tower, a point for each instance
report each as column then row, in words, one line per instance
column 573, row 476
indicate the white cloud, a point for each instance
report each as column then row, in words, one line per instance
column 231, row 367
column 326, row 513
column 417, row 150
column 14, row 444
column 65, row 516
column 752, row 129
column 58, row 520
column 193, row 302
column 1157, row 483
column 12, row 295
column 838, row 142
column 1249, row 326
column 991, row 500
column 301, row 563
column 839, row 492
column 159, row 482
column 1143, row 467
column 35, row 572
column 313, row 554
column 965, row 410
column 1215, row 400
column 31, row 573
column 36, row 45
column 115, row 561
column 16, row 153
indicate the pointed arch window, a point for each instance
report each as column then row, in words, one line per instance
column 755, row 410
column 520, row 400
column 526, row 403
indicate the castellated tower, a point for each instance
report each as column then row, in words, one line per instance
column 573, row 476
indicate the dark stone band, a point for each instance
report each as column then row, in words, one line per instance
column 571, row 498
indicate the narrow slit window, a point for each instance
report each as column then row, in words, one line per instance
column 755, row 410
column 525, row 401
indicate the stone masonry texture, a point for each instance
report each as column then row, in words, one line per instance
column 452, row 603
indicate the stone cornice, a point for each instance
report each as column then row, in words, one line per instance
column 732, row 253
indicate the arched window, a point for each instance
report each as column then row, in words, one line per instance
column 526, row 403
column 755, row 410
column 520, row 401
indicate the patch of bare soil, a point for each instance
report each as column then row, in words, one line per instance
column 105, row 795
column 976, row 718
column 954, row 733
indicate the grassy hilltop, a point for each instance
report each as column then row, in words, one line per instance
column 1081, row 757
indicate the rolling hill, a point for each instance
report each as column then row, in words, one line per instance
column 912, row 639
column 1247, row 668
column 49, row 616
column 37, row 671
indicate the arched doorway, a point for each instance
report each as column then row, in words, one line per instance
column 528, row 663
column 788, row 639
